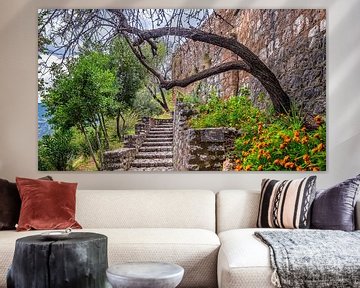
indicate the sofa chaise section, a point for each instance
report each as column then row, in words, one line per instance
column 244, row 260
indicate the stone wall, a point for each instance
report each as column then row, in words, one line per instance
column 181, row 146
column 199, row 149
column 292, row 42
column 122, row 158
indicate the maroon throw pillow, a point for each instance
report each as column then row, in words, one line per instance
column 46, row 204
column 10, row 204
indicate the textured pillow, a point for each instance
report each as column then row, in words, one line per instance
column 46, row 204
column 10, row 204
column 286, row 204
column 334, row 208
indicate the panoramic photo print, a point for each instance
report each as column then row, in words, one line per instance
column 181, row 90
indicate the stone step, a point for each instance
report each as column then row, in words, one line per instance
column 167, row 143
column 159, row 134
column 163, row 127
column 149, row 169
column 152, row 155
column 162, row 121
column 165, row 124
column 168, row 129
column 155, row 149
column 159, row 139
column 152, row 163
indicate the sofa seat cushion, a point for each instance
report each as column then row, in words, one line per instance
column 244, row 261
column 194, row 249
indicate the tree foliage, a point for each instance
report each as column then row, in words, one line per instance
column 130, row 76
column 80, row 98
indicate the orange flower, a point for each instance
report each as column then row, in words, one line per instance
column 296, row 133
column 290, row 165
column 260, row 168
column 304, row 140
column 318, row 119
column 303, row 129
column 238, row 168
column 298, row 168
column 306, row 157
column 287, row 139
column 317, row 135
column 238, row 161
column 286, row 158
column 282, row 146
column 277, row 161
column 320, row 147
column 248, row 167
column 314, row 169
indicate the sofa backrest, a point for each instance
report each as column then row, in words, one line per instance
column 146, row 209
column 239, row 209
column 236, row 209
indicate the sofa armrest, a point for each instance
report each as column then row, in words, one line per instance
column 357, row 215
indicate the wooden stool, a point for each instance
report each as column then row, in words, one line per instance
column 78, row 261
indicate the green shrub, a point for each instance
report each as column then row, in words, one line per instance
column 56, row 151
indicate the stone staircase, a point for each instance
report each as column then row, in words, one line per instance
column 156, row 153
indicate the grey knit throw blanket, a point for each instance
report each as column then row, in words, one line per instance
column 313, row 258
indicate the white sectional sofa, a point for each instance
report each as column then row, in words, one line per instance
column 177, row 226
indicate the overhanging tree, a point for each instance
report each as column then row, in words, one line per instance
column 69, row 28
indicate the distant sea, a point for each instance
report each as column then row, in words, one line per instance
column 43, row 125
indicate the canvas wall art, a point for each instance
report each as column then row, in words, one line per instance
column 182, row 90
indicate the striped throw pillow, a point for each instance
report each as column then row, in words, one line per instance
column 286, row 204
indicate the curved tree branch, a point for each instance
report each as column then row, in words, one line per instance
column 258, row 69
column 142, row 60
column 232, row 65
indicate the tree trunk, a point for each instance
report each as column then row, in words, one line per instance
column 104, row 131
column 82, row 129
column 44, row 263
column 166, row 107
column 99, row 142
column 163, row 103
column 118, row 129
column 123, row 124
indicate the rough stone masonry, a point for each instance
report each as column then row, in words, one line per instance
column 292, row 42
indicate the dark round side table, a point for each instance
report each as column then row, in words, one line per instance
column 80, row 261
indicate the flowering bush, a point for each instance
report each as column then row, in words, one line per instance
column 268, row 142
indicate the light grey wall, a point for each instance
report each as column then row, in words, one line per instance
column 18, row 96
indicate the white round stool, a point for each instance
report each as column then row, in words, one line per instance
column 145, row 275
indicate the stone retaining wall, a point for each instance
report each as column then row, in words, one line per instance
column 199, row 149
column 122, row 158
